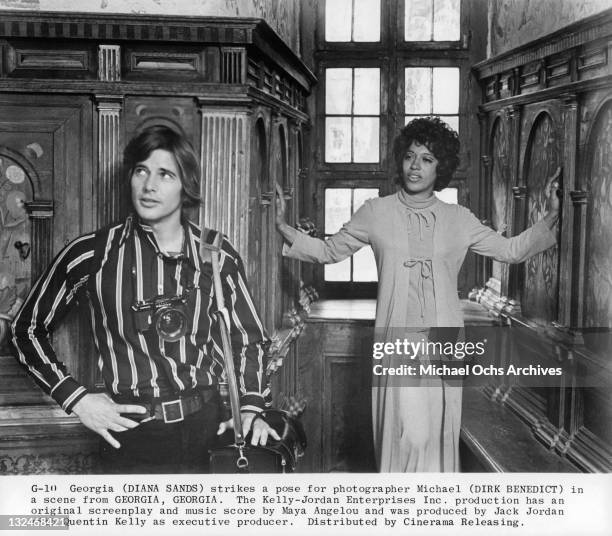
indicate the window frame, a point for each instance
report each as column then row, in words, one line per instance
column 392, row 54
column 383, row 115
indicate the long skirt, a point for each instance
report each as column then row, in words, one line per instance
column 416, row 422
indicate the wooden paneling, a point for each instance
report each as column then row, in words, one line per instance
column 598, row 273
column 559, row 91
column 499, row 160
column 539, row 294
column 334, row 375
column 224, row 172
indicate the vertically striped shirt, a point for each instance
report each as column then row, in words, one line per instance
column 114, row 269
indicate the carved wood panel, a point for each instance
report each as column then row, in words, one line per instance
column 334, row 376
column 224, row 174
column 50, row 138
column 540, row 293
column 16, row 188
column 598, row 276
column 347, row 384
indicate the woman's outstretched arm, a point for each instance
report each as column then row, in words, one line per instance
column 353, row 236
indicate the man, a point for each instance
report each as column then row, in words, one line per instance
column 152, row 305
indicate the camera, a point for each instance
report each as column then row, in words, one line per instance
column 167, row 314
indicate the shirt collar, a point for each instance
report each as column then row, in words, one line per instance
column 134, row 224
column 413, row 203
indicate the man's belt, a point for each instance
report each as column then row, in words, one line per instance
column 169, row 410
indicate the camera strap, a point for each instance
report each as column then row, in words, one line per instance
column 222, row 314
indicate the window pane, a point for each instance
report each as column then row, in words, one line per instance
column 367, row 20
column 446, row 17
column 367, row 92
column 445, row 90
column 361, row 195
column 338, row 91
column 418, row 90
column 337, row 209
column 448, row 195
column 365, row 139
column 338, row 20
column 337, row 139
column 341, row 271
column 364, row 265
column 452, row 121
column 417, row 20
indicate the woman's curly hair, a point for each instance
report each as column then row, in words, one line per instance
column 438, row 137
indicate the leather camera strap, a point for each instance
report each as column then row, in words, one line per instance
column 222, row 314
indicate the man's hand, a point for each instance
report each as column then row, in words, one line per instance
column 100, row 414
column 261, row 429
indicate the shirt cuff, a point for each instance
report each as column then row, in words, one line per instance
column 548, row 236
column 287, row 249
column 67, row 393
column 302, row 248
column 252, row 402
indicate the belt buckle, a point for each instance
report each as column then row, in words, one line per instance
column 168, row 407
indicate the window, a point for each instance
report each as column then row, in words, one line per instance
column 431, row 20
column 432, row 90
column 352, row 20
column 352, row 115
column 448, row 195
column 340, row 205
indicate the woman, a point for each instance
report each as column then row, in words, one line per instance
column 419, row 243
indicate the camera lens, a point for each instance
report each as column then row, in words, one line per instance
column 170, row 323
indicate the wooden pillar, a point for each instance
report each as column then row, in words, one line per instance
column 567, row 265
column 225, row 188
column 41, row 214
column 110, row 183
column 519, row 195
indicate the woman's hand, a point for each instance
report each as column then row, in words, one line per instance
column 281, row 207
column 553, row 200
column 552, row 191
column 283, row 227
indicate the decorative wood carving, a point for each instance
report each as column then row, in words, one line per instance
column 20, row 59
column 598, row 275
column 233, row 65
column 41, row 214
column 109, row 63
column 40, row 464
column 110, row 183
column 563, row 89
column 539, row 298
column 151, row 61
column 567, row 268
column 224, row 169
